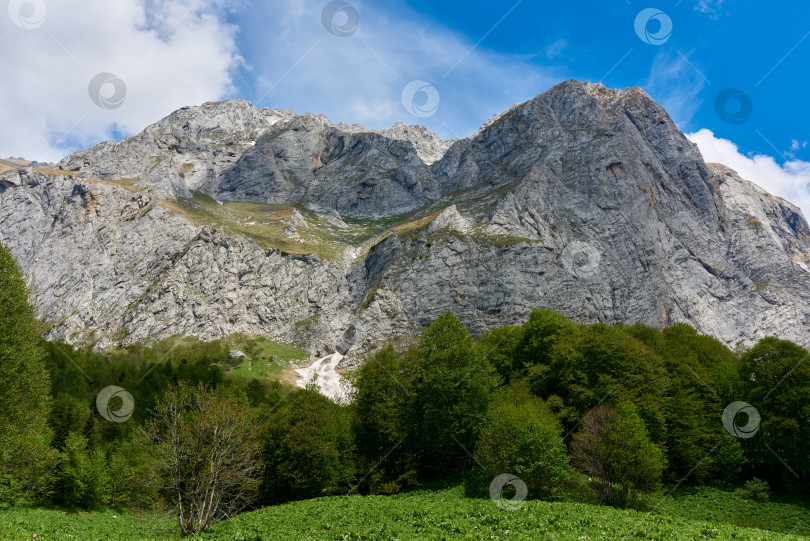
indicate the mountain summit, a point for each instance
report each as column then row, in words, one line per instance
column 226, row 218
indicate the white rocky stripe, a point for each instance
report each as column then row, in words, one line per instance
column 323, row 373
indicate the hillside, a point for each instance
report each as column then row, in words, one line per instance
column 11, row 164
column 224, row 218
column 438, row 514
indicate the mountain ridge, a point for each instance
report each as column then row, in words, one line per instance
column 225, row 218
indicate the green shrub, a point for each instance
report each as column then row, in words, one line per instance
column 500, row 346
column 133, row 471
column 83, row 479
column 383, row 418
column 522, row 437
column 777, row 383
column 756, row 490
column 613, row 445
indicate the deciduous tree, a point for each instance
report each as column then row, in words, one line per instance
column 209, row 454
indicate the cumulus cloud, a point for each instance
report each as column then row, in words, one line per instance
column 172, row 53
column 790, row 180
column 167, row 54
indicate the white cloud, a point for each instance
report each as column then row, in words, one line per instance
column 675, row 82
column 169, row 53
column 553, row 50
column 710, row 7
column 172, row 53
column 360, row 78
column 790, row 180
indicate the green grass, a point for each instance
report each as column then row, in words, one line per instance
column 257, row 370
column 265, row 359
column 724, row 506
column 690, row 513
column 23, row 523
column 262, row 348
column 265, row 224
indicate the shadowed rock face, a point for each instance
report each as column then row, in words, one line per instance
column 585, row 200
column 308, row 160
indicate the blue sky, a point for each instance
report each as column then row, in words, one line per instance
column 713, row 46
column 475, row 59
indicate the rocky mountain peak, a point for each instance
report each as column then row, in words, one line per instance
column 225, row 218
column 429, row 146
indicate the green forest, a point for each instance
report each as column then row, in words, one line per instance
column 547, row 411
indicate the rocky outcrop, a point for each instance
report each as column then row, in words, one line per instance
column 585, row 200
column 429, row 146
column 450, row 219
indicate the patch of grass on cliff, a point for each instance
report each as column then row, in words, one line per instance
column 761, row 286
column 58, row 172
column 752, row 223
column 265, row 224
column 307, row 323
column 261, row 347
column 407, row 228
column 262, row 223
column 126, row 183
column 372, row 294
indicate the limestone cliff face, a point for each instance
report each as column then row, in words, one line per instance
column 225, row 218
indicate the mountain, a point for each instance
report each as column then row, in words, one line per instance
column 15, row 163
column 226, row 218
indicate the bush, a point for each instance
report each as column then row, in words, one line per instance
column 613, row 446
column 423, row 410
column 703, row 379
column 777, row 380
column 383, row 418
column 755, row 489
column 83, row 479
column 133, row 475
column 500, row 346
column 522, row 437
